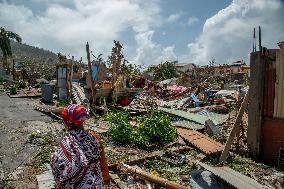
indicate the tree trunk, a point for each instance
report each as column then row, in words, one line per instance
column 2, row 68
column 5, row 64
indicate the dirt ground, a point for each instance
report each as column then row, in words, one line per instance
column 18, row 120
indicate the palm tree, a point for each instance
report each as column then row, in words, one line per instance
column 5, row 45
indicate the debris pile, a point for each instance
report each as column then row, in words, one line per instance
column 160, row 126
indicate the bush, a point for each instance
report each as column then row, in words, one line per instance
column 154, row 129
column 120, row 130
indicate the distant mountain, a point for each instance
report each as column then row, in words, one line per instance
column 39, row 55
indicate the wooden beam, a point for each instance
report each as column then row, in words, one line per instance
column 255, row 107
column 152, row 178
column 13, row 71
column 90, row 73
column 236, row 128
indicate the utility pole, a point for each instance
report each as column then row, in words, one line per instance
column 259, row 38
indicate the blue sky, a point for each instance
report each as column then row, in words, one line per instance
column 152, row 31
column 180, row 32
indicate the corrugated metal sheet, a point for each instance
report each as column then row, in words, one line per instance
column 279, row 86
column 269, row 88
column 273, row 140
column 200, row 141
column 200, row 117
column 187, row 124
column 233, row 178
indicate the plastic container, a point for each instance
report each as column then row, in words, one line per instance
column 47, row 92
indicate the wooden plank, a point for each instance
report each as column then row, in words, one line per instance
column 150, row 156
column 279, row 99
column 200, row 141
column 281, row 92
column 256, row 103
column 236, row 128
column 152, row 178
column 233, row 178
column 90, row 73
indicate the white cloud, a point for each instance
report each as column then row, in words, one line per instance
column 192, row 20
column 174, row 17
column 147, row 49
column 168, row 54
column 63, row 29
column 227, row 36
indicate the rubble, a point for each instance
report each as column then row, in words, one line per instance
column 165, row 129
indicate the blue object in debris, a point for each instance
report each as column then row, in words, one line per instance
column 195, row 99
column 209, row 93
column 95, row 70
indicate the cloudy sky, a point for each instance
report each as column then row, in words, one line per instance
column 150, row 30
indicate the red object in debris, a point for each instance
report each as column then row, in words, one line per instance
column 123, row 101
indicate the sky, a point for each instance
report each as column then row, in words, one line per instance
column 151, row 31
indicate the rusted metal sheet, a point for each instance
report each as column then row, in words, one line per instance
column 273, row 140
column 269, row 88
column 233, row 178
column 200, row 141
column 24, row 93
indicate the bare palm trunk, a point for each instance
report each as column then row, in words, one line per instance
column 5, row 64
column 2, row 68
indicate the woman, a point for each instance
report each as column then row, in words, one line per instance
column 79, row 161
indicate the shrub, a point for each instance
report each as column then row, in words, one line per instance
column 120, row 130
column 155, row 129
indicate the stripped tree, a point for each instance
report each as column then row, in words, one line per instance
column 5, row 45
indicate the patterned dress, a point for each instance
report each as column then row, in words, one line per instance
column 75, row 163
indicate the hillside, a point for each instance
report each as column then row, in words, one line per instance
column 39, row 55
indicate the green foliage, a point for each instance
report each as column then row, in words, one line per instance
column 63, row 103
column 21, row 84
column 130, row 69
column 46, row 71
column 164, row 71
column 115, row 158
column 237, row 163
column 5, row 45
column 154, row 129
column 168, row 171
column 120, row 130
column 242, row 165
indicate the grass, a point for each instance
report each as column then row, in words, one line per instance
column 116, row 158
column 240, row 164
column 168, row 171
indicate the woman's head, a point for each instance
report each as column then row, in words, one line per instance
column 74, row 116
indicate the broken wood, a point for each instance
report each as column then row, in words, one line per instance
column 90, row 73
column 150, row 156
column 236, row 128
column 152, row 178
column 115, row 178
column 48, row 109
column 211, row 128
column 200, row 141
